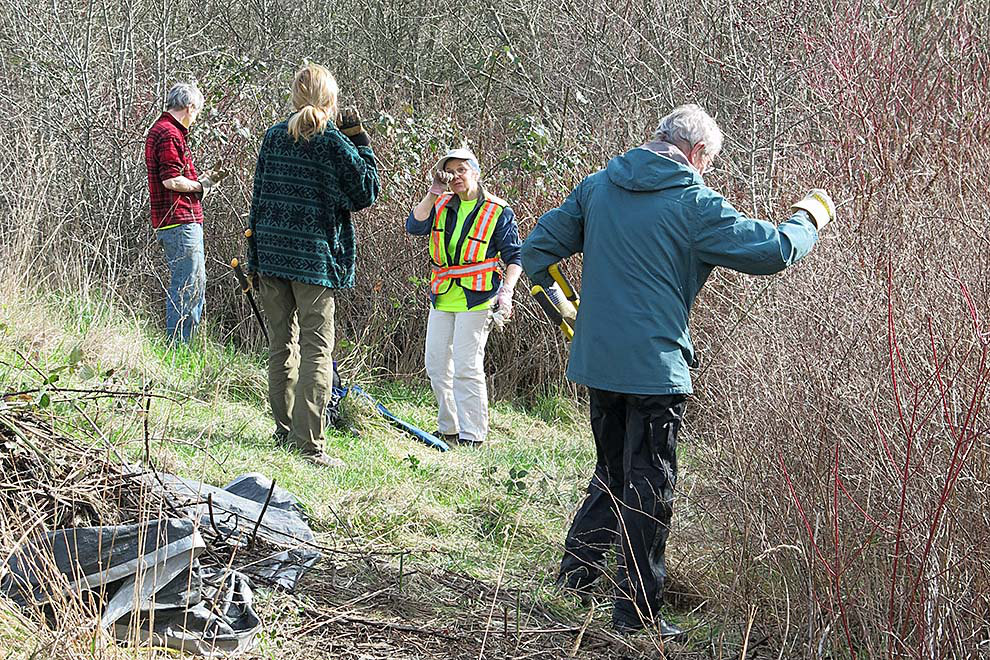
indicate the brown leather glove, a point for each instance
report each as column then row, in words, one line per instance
column 440, row 181
column 209, row 179
column 350, row 125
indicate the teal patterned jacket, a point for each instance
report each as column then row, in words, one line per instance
column 304, row 193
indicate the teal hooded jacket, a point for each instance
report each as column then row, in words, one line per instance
column 651, row 232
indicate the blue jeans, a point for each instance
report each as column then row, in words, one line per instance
column 186, row 294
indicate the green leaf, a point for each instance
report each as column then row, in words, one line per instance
column 44, row 400
column 76, row 355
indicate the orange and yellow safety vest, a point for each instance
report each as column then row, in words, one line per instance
column 467, row 265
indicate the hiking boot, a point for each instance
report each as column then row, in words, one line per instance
column 325, row 460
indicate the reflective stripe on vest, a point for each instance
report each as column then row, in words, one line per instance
column 470, row 267
column 477, row 273
column 437, row 252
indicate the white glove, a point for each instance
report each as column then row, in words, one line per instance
column 819, row 206
column 503, row 307
column 207, row 184
column 566, row 308
column 497, row 320
column 503, row 301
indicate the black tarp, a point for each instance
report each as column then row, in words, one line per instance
column 236, row 509
column 147, row 581
column 146, row 577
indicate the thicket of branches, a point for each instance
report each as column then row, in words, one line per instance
column 839, row 416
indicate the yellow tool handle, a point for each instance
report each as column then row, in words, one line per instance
column 552, row 312
column 564, row 284
column 242, row 279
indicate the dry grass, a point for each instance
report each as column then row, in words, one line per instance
column 835, row 468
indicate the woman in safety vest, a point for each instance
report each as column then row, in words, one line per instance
column 470, row 230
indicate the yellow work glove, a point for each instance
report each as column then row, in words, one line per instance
column 819, row 206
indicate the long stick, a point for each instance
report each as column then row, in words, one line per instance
column 254, row 532
column 246, row 290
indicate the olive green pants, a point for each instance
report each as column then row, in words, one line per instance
column 300, row 364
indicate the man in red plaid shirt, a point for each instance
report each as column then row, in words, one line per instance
column 176, row 191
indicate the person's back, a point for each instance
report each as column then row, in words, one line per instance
column 311, row 174
column 635, row 293
column 305, row 191
column 651, row 232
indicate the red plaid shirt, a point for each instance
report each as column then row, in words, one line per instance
column 167, row 156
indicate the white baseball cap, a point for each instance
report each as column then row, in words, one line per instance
column 460, row 154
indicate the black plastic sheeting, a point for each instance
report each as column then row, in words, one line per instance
column 148, row 583
column 146, row 577
column 234, row 512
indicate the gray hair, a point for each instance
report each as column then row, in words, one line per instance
column 691, row 124
column 184, row 95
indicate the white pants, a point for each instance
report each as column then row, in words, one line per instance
column 455, row 363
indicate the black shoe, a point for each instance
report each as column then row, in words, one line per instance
column 464, row 442
column 451, row 439
column 626, row 627
column 281, row 438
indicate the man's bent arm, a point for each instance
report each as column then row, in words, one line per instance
column 181, row 184
column 558, row 234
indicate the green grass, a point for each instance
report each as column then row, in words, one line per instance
column 16, row 634
column 498, row 514
column 466, row 510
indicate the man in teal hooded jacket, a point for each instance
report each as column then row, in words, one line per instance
column 651, row 232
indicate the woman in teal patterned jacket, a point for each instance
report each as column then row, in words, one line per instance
column 312, row 173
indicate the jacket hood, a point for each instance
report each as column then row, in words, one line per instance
column 653, row 166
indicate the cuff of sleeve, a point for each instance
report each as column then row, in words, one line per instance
column 542, row 278
column 360, row 139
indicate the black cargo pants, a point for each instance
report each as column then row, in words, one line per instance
column 629, row 501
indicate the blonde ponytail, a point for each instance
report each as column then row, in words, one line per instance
column 314, row 95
